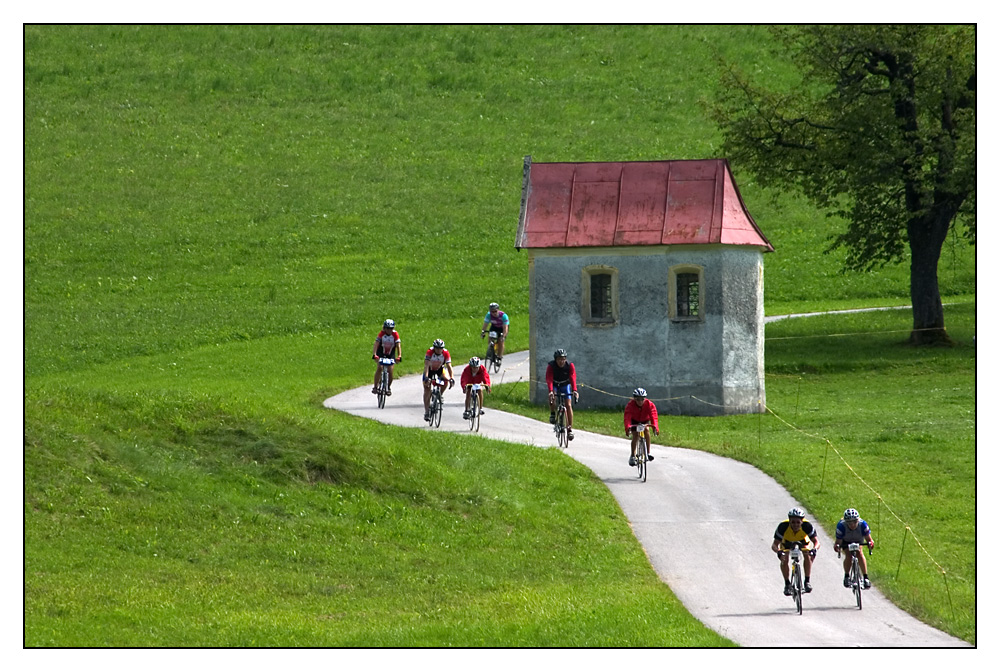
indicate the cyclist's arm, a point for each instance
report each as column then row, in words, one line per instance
column 548, row 378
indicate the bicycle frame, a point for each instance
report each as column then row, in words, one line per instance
column 474, row 407
column 436, row 402
column 796, row 576
column 384, row 363
column 856, row 585
column 560, row 426
column 641, row 450
column 491, row 351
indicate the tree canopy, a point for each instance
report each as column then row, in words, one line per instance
column 878, row 127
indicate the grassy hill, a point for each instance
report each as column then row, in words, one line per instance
column 218, row 219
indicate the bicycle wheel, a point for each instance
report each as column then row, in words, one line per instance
column 438, row 409
column 432, row 408
column 382, row 388
column 561, row 427
column 474, row 412
column 642, row 452
column 797, row 588
column 856, row 580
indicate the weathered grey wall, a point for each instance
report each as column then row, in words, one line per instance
column 709, row 367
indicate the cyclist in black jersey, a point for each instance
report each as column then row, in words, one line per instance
column 560, row 376
column 789, row 532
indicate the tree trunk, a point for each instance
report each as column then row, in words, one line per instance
column 927, row 235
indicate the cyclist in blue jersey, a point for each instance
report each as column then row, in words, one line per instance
column 853, row 530
column 496, row 320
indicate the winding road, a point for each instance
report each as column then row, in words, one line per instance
column 730, row 507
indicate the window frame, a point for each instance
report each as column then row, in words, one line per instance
column 672, row 289
column 585, row 308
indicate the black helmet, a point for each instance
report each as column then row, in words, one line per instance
column 559, row 353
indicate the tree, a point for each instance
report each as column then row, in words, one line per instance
column 879, row 128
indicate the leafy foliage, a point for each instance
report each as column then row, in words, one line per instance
column 878, row 129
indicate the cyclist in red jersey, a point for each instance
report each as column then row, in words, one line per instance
column 387, row 344
column 474, row 373
column 640, row 409
column 437, row 367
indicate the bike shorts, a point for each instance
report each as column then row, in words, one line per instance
column 562, row 389
column 436, row 378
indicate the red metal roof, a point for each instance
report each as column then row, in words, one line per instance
column 634, row 203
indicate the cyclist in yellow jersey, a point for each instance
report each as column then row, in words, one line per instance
column 795, row 530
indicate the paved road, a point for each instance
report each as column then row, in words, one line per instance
column 727, row 506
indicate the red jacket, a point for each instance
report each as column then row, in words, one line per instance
column 483, row 377
column 646, row 413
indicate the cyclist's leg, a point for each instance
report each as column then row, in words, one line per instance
column 501, row 338
column 481, row 393
column 785, row 570
column 807, row 562
column 468, row 401
column 649, row 444
column 427, row 393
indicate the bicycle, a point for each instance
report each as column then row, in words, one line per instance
column 436, row 407
column 474, row 410
column 560, row 426
column 855, row 578
column 641, row 451
column 383, row 386
column 491, row 353
column 795, row 575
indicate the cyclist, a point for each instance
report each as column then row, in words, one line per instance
column 475, row 372
column 496, row 320
column 795, row 529
column 437, row 367
column 561, row 379
column 853, row 530
column 640, row 409
column 387, row 344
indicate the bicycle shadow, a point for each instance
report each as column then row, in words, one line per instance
column 791, row 610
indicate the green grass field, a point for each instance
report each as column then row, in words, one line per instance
column 218, row 219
